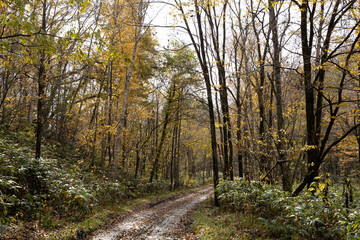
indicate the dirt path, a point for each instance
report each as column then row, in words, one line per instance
column 161, row 221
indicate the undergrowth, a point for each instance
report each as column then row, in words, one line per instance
column 51, row 191
column 224, row 223
column 319, row 213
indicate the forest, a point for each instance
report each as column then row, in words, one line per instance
column 258, row 100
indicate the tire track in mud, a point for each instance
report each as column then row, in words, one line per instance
column 160, row 221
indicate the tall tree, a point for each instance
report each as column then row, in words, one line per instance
column 138, row 22
column 317, row 142
column 276, row 77
column 218, row 26
column 200, row 50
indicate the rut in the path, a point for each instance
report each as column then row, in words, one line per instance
column 161, row 221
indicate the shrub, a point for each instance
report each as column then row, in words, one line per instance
column 142, row 186
column 30, row 186
column 108, row 191
column 312, row 215
column 254, row 196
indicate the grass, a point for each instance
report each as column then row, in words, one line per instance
column 221, row 223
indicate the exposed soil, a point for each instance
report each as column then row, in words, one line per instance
column 165, row 220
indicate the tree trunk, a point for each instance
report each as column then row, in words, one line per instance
column 357, row 118
column 223, row 159
column 41, row 118
column 238, row 119
column 163, row 133
column 201, row 54
column 317, row 152
column 141, row 11
column 220, row 64
column 309, row 95
column 177, row 158
column 260, row 93
column 284, row 166
column 173, row 150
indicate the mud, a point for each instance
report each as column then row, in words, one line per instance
column 164, row 220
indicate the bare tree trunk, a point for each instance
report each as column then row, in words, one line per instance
column 314, row 118
column 105, row 143
column 220, row 49
column 284, row 165
column 137, row 165
column 140, row 11
column 41, row 118
column 31, row 106
column 260, row 92
column 123, row 157
column 177, row 156
column 201, row 54
column 238, row 117
column 172, row 160
column 137, row 150
column 223, row 159
column 238, row 65
column 357, row 118
column 163, row 133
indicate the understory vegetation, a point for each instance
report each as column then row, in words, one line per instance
column 256, row 210
column 49, row 192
